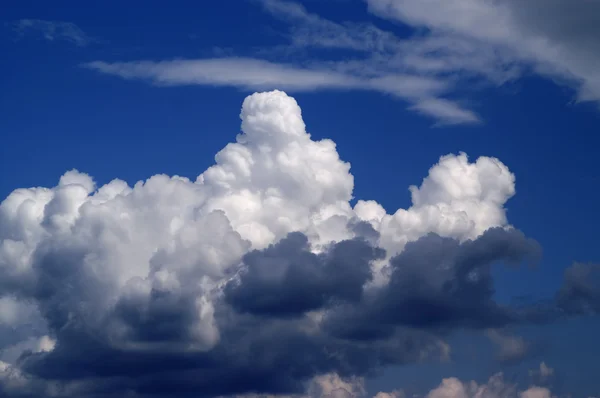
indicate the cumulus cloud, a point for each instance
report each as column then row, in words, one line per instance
column 276, row 280
column 256, row 277
column 438, row 282
column 53, row 31
column 331, row 385
column 496, row 387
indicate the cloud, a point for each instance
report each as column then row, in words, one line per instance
column 556, row 38
column 580, row 292
column 236, row 72
column 423, row 92
column 496, row 387
column 256, row 74
column 455, row 44
column 542, row 375
column 447, row 111
column 331, row 385
column 510, row 348
column 275, row 281
column 437, row 283
column 308, row 29
column 53, row 30
column 253, row 279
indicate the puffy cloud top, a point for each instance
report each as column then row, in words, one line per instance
column 263, row 253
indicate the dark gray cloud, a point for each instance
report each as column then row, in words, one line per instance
column 266, row 344
column 439, row 283
column 254, row 355
column 288, row 279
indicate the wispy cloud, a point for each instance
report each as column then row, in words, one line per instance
column 370, row 71
column 459, row 43
column 248, row 73
column 501, row 41
column 53, row 31
column 309, row 29
column 447, row 112
column 256, row 74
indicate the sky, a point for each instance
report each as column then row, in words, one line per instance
column 268, row 198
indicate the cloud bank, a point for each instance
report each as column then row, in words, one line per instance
column 256, row 277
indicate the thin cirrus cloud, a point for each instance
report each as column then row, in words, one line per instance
column 52, row 31
column 558, row 39
column 256, row 74
column 459, row 42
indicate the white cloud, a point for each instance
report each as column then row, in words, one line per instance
column 256, row 74
column 496, row 387
column 312, row 30
column 129, row 263
column 457, row 41
column 332, row 386
column 375, row 73
column 447, row 111
column 392, row 394
column 236, row 72
column 556, row 38
column 53, row 30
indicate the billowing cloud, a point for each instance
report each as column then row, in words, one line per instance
column 276, row 280
column 331, row 385
column 496, row 387
column 256, row 277
column 437, row 282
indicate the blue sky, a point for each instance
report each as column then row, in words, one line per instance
column 130, row 91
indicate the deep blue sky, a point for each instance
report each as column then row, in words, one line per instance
column 56, row 115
